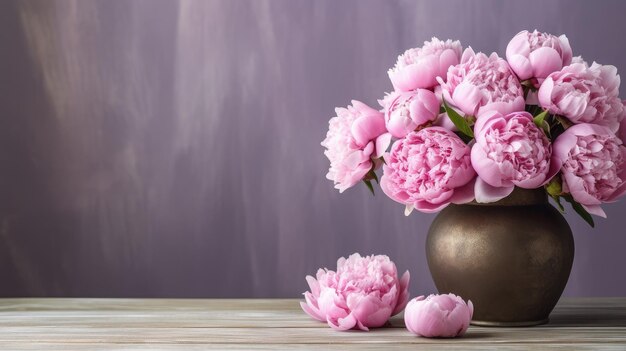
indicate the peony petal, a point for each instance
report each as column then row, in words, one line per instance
column 445, row 122
column 595, row 210
column 311, row 312
column 502, row 107
column 464, row 194
column 403, row 298
column 363, row 108
column 577, row 189
column 458, row 321
column 367, row 128
column 313, row 285
column 467, row 54
column 486, row 193
column 518, row 45
column 521, row 66
column 621, row 190
column 566, row 50
column 447, row 58
column 532, row 182
column 467, row 96
column 342, row 324
column 545, row 94
column 561, row 148
column 544, row 61
column 484, row 120
column 574, row 107
column 408, row 209
column 371, row 312
column 486, row 168
column 431, row 320
column 382, row 144
column 428, row 207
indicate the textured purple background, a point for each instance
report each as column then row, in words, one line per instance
column 171, row 148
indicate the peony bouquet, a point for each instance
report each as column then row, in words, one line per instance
column 462, row 126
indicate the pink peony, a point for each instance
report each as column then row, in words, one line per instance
column 363, row 293
column 355, row 137
column 480, row 83
column 584, row 94
column 592, row 162
column 536, row 54
column 428, row 170
column 444, row 316
column 418, row 68
column 404, row 112
column 509, row 151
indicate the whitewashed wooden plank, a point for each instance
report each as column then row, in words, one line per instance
column 475, row 335
column 261, row 313
column 285, row 347
column 274, row 324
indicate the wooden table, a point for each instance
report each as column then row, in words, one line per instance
column 275, row 324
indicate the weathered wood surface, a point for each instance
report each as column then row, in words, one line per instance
column 275, row 324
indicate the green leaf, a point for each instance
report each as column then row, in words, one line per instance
column 540, row 118
column 540, row 121
column 369, row 186
column 374, row 176
column 459, row 121
column 466, row 139
column 580, row 210
column 557, row 201
column 554, row 187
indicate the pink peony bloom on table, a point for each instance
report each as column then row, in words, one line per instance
column 404, row 112
column 592, row 162
column 438, row 316
column 418, row 68
column 584, row 94
column 355, row 137
column 428, row 170
column 363, row 293
column 481, row 83
column 509, row 151
column 537, row 54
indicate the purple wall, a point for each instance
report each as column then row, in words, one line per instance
column 171, row 148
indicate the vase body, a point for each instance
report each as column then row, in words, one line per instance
column 511, row 258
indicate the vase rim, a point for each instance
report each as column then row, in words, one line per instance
column 519, row 197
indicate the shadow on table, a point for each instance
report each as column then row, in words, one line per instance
column 591, row 318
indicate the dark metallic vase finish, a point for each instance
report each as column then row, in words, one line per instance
column 511, row 258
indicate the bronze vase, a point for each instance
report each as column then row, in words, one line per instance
column 511, row 258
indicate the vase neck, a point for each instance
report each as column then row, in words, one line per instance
column 520, row 197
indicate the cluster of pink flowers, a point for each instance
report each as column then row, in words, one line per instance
column 462, row 126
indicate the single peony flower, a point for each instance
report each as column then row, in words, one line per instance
column 509, row 151
column 537, row 54
column 355, row 137
column 445, row 316
column 592, row 162
column 404, row 112
column 363, row 293
column 480, row 83
column 418, row 68
column 428, row 170
column 584, row 94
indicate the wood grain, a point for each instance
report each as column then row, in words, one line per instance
column 275, row 324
